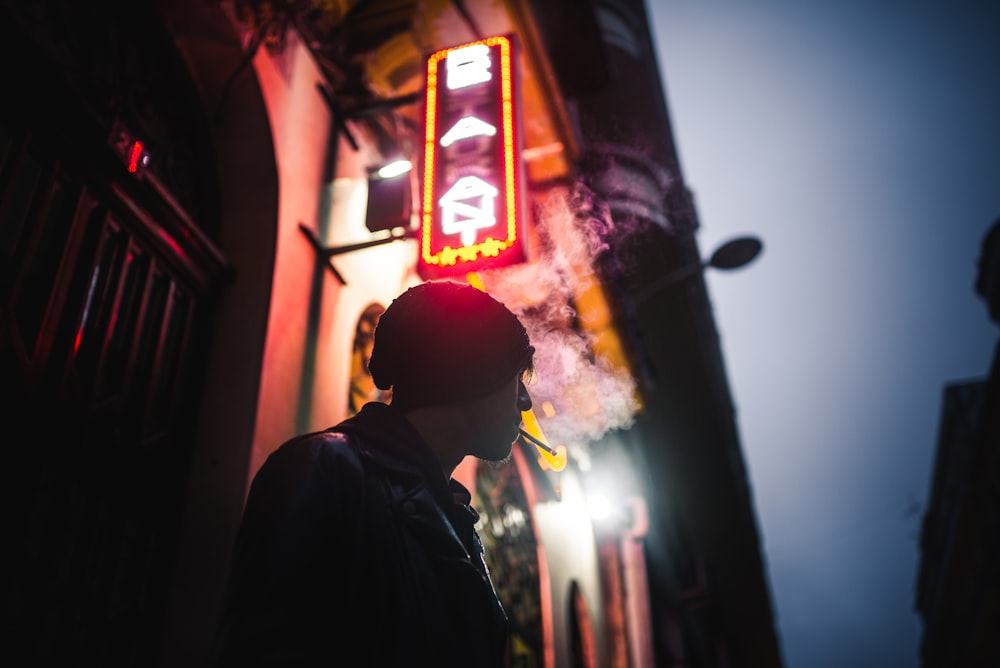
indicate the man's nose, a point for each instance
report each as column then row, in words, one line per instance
column 523, row 398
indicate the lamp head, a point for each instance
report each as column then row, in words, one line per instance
column 736, row 253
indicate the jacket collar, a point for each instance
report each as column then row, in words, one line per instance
column 422, row 492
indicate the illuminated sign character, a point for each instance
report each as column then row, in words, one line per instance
column 471, row 204
column 468, row 66
column 464, row 218
column 468, row 127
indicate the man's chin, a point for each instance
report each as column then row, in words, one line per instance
column 500, row 457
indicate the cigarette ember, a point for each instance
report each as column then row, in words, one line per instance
column 541, row 444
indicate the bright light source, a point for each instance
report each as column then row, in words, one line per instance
column 395, row 168
column 599, row 506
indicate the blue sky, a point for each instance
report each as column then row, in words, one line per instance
column 861, row 142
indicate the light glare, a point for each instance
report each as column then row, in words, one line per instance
column 395, row 168
column 599, row 506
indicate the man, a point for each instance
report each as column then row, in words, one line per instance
column 356, row 546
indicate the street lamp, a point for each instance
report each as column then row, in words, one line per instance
column 388, row 209
column 395, row 168
column 733, row 254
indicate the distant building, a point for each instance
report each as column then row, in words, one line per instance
column 958, row 585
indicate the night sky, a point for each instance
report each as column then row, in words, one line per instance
column 861, row 142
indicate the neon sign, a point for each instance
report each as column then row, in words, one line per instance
column 470, row 205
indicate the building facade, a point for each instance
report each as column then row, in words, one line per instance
column 197, row 244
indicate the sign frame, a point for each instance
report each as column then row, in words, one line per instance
column 471, row 215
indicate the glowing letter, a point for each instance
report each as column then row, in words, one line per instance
column 468, row 66
column 462, row 218
column 470, row 126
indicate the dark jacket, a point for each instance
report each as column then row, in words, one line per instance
column 356, row 550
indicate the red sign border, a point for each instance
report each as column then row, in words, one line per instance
column 449, row 260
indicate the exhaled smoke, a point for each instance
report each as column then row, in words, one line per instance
column 579, row 394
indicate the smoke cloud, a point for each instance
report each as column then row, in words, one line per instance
column 578, row 393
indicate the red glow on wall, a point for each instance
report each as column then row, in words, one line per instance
column 471, row 204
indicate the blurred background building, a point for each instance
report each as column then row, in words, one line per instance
column 958, row 583
column 197, row 240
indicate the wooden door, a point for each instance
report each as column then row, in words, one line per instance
column 106, row 290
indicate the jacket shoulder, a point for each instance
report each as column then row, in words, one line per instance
column 318, row 462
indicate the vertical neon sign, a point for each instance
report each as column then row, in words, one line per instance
column 471, row 205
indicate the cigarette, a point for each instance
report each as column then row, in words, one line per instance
column 539, row 443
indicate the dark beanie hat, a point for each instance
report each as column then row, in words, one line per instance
column 443, row 341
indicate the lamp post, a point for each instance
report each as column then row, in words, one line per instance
column 733, row 254
column 696, row 482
